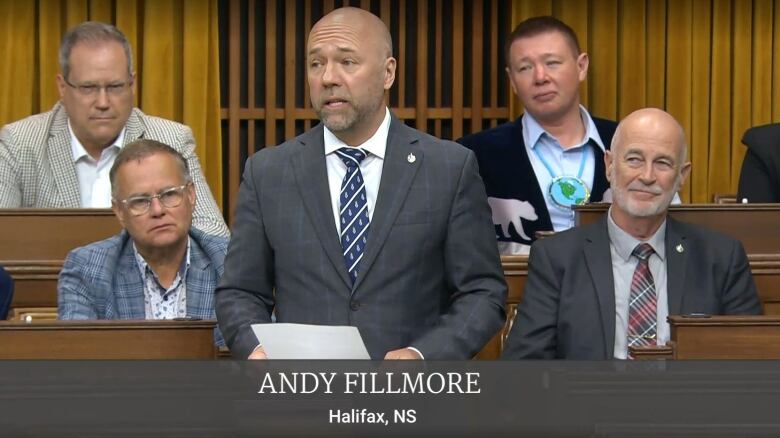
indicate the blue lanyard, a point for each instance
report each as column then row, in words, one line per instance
column 549, row 169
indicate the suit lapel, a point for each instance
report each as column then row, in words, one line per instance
column 599, row 261
column 199, row 281
column 397, row 176
column 675, row 266
column 63, row 167
column 312, row 177
column 129, row 290
column 134, row 129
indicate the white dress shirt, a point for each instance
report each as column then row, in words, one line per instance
column 621, row 244
column 370, row 167
column 564, row 162
column 94, row 181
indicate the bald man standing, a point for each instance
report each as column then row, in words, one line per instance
column 596, row 290
column 363, row 221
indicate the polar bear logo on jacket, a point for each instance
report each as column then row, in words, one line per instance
column 510, row 211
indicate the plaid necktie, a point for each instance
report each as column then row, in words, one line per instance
column 642, row 305
column 353, row 210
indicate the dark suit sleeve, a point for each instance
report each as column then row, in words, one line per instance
column 756, row 182
column 739, row 294
column 472, row 272
column 533, row 333
column 245, row 292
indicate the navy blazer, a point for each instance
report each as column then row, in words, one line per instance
column 507, row 172
column 6, row 293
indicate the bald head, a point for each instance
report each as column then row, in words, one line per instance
column 364, row 25
column 650, row 123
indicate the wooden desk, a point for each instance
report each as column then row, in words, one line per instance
column 35, row 243
column 725, row 337
column 108, row 340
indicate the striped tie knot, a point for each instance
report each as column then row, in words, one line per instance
column 352, row 157
column 643, row 251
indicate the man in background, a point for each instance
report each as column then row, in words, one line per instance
column 596, row 290
column 158, row 267
column 61, row 158
column 537, row 168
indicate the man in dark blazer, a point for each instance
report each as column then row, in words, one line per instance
column 425, row 279
column 593, row 291
column 555, row 138
column 759, row 180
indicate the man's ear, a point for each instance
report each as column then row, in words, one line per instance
column 609, row 161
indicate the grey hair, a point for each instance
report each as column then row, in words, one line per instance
column 142, row 148
column 92, row 32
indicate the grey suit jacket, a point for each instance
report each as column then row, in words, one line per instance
column 430, row 277
column 568, row 306
column 37, row 168
column 102, row 280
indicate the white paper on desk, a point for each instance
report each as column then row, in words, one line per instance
column 305, row 341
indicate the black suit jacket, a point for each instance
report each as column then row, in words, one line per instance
column 507, row 172
column 568, row 307
column 430, row 276
column 759, row 180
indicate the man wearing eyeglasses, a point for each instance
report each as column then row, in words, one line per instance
column 158, row 267
column 61, row 158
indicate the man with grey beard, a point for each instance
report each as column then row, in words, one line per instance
column 363, row 221
column 596, row 290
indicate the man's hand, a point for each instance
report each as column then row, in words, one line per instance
column 258, row 353
column 402, row 354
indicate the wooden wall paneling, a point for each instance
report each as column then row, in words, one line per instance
column 775, row 65
column 307, row 24
column 631, row 56
column 740, row 87
column 655, row 53
column 437, row 67
column 251, row 65
column 720, row 100
column 290, row 57
column 604, row 63
column 477, row 35
column 575, row 14
column 761, row 80
column 421, row 71
column 497, row 62
column 234, row 102
column 679, row 69
column 271, row 81
column 402, row 55
column 700, row 102
column 457, row 74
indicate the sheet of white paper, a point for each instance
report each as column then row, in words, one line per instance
column 305, row 341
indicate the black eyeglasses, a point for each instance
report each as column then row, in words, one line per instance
column 169, row 198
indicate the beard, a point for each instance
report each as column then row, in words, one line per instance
column 622, row 198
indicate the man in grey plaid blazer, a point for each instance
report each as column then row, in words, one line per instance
column 60, row 158
column 429, row 283
column 158, row 267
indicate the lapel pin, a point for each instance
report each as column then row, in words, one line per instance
column 411, row 158
column 679, row 248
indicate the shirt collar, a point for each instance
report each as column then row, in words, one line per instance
column 532, row 130
column 625, row 243
column 376, row 145
column 78, row 149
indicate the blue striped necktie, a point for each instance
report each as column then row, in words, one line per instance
column 353, row 210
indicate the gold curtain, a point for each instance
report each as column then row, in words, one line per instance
column 710, row 63
column 175, row 49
